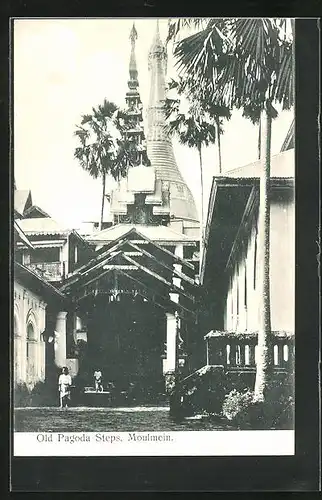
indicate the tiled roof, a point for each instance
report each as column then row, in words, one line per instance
column 154, row 233
column 282, row 166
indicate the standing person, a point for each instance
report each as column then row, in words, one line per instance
column 64, row 384
column 98, row 381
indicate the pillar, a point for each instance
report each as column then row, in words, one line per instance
column 171, row 342
column 169, row 365
column 41, row 343
column 60, row 339
column 178, row 267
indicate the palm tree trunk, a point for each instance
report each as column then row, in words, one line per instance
column 259, row 139
column 202, row 210
column 218, row 145
column 103, row 200
column 293, row 55
column 264, row 331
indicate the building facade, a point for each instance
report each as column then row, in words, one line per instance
column 233, row 240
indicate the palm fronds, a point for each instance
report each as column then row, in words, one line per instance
column 240, row 61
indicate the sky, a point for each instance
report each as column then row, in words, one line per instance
column 64, row 67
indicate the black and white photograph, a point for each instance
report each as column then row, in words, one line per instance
column 153, row 309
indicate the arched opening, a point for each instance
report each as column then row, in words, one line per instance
column 17, row 351
column 31, row 352
column 16, row 332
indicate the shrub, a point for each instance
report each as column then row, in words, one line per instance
column 275, row 412
column 236, row 403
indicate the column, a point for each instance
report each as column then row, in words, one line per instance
column 171, row 342
column 60, row 339
column 41, row 343
column 242, row 295
column 73, row 363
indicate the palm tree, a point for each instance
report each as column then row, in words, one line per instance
column 215, row 110
column 194, row 129
column 103, row 151
column 247, row 62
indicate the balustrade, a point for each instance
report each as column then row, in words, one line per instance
column 49, row 270
column 234, row 350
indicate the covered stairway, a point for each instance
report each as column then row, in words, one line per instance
column 137, row 303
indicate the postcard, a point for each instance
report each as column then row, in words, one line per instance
column 154, row 237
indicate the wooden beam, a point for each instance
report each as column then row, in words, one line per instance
column 79, row 271
column 173, row 270
column 102, row 263
column 167, row 299
column 82, row 276
column 97, row 278
column 120, row 266
column 155, row 275
column 175, row 257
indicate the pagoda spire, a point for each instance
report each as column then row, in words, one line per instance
column 159, row 143
column 134, row 119
column 132, row 67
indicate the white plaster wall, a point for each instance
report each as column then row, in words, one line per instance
column 282, row 274
column 28, row 307
column 282, row 269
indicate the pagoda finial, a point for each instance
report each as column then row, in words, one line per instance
column 133, row 38
column 133, row 34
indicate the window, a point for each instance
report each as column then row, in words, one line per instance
column 30, row 338
column 30, row 332
column 76, row 254
column 44, row 255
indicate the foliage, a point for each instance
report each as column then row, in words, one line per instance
column 105, row 148
column 245, row 63
column 101, row 146
column 236, row 402
column 195, row 127
column 277, row 411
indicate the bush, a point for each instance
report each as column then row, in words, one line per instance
column 274, row 413
column 42, row 394
column 236, row 403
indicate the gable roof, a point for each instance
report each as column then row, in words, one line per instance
column 140, row 260
column 37, row 283
column 20, row 235
column 38, row 210
column 160, row 234
column 22, row 200
column 42, row 225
